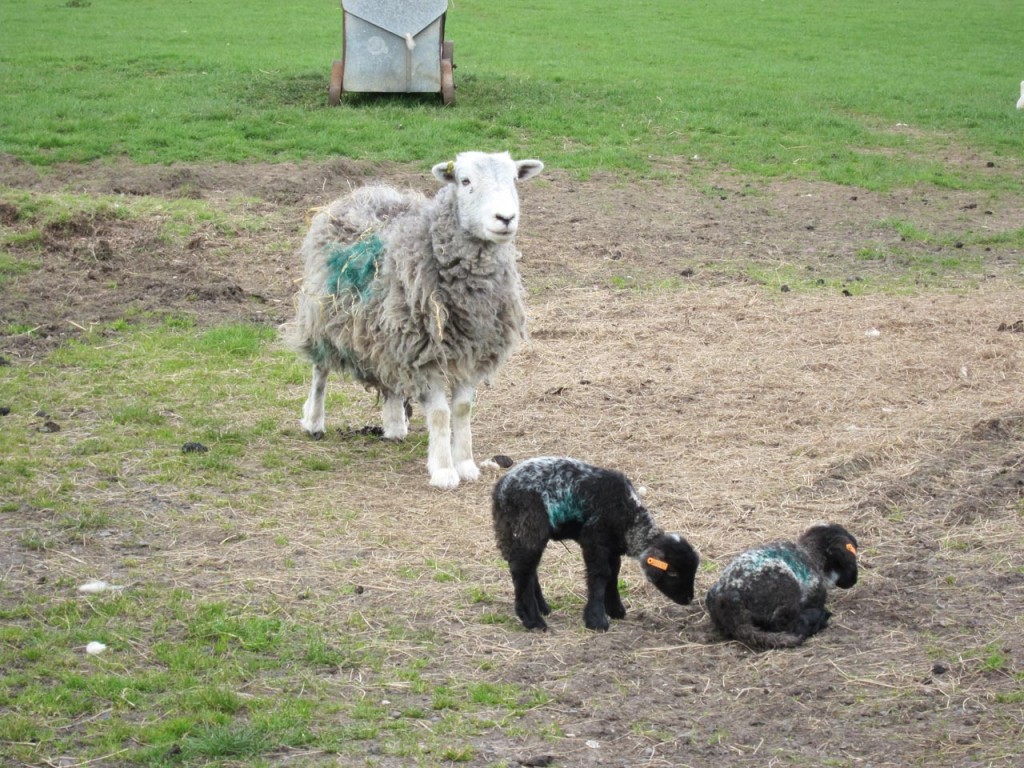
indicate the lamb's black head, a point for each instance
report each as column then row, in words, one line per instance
column 835, row 548
column 670, row 564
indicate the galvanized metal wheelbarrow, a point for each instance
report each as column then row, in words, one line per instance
column 394, row 46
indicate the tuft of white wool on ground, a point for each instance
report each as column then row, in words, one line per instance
column 95, row 648
column 96, row 586
column 415, row 297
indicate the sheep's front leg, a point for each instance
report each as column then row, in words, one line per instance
column 313, row 410
column 462, row 433
column 598, row 563
column 812, row 621
column 439, row 445
column 530, row 603
column 393, row 416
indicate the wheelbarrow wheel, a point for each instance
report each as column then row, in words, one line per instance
column 447, row 73
column 337, row 77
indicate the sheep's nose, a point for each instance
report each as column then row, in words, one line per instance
column 506, row 220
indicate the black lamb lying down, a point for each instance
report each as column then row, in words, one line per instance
column 774, row 596
column 560, row 498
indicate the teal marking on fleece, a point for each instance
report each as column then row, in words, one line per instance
column 788, row 557
column 351, row 269
column 563, row 509
column 324, row 353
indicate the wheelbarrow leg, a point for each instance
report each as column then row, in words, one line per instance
column 447, row 73
column 337, row 78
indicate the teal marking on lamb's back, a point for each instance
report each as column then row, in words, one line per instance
column 351, row 268
column 564, row 509
column 798, row 567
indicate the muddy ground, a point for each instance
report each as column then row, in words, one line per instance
column 662, row 345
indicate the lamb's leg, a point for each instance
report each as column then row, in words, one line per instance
column 612, row 601
column 313, row 410
column 462, row 434
column 542, row 604
column 439, row 445
column 529, row 600
column 598, row 563
column 812, row 620
column 396, row 424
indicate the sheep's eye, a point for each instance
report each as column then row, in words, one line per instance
column 466, row 182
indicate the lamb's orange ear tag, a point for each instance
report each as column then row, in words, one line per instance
column 661, row 565
column 851, row 549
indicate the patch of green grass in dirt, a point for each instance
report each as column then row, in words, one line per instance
column 179, row 218
column 11, row 267
column 910, row 232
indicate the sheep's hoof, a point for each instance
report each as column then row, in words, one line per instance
column 616, row 611
column 445, row 479
column 313, row 428
column 468, row 470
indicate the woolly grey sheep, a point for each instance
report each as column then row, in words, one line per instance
column 774, row 596
column 411, row 295
column 561, row 498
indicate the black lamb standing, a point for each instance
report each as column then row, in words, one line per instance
column 561, row 498
column 773, row 596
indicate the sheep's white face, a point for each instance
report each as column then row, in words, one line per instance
column 485, row 192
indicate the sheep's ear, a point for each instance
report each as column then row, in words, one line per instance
column 445, row 171
column 653, row 563
column 529, row 168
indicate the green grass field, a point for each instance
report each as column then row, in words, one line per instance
column 864, row 92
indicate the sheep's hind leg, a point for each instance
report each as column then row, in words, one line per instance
column 313, row 418
column 393, row 415
column 439, row 446
column 542, row 604
column 612, row 601
column 462, row 434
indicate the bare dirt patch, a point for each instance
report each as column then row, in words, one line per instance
column 747, row 414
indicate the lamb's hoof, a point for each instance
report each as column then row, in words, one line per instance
column 468, row 470
column 318, row 435
column 597, row 623
column 445, row 479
